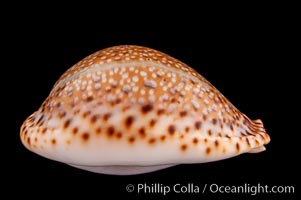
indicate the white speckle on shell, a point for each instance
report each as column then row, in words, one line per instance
column 150, row 83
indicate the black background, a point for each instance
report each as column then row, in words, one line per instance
column 244, row 57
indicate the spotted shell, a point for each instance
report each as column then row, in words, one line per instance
column 132, row 109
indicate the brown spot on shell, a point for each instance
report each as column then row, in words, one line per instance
column 58, row 104
column 198, row 125
column 67, row 123
column 249, row 144
column 107, row 116
column 162, row 138
column 187, row 129
column 214, row 121
column 44, row 130
column 237, row 147
column 216, row 143
column 184, row 147
column 53, row 141
column 151, row 140
column 208, row 150
column 110, row 130
column 171, row 129
column 142, row 132
column 85, row 114
column 146, row 108
column 209, row 132
column 129, row 121
column 119, row 135
column 195, row 141
column 152, row 122
column 62, row 114
column 85, row 136
column 222, row 126
column 74, row 130
column 231, row 127
column 131, row 139
column 160, row 111
column 98, row 130
column 118, row 100
column 183, row 113
column 94, row 118
column 90, row 98
column 205, row 140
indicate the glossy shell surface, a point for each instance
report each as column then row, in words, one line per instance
column 132, row 109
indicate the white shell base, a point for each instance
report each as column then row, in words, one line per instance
column 122, row 170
